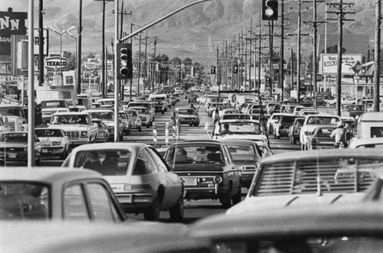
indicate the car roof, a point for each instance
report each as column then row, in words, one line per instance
column 324, row 153
column 71, row 113
column 367, row 141
column 371, row 116
column 366, row 217
column 71, row 236
column 233, row 142
column 46, row 174
column 110, row 145
column 98, row 110
column 197, row 141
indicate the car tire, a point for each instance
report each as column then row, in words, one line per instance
column 237, row 197
column 294, row 140
column 196, row 124
column 162, row 112
column 139, row 129
column 147, row 125
column 176, row 212
column 38, row 161
column 153, row 212
column 226, row 202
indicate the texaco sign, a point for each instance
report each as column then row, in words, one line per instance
column 54, row 63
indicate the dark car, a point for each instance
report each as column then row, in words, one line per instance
column 295, row 129
column 353, row 110
column 207, row 169
column 282, row 127
column 246, row 155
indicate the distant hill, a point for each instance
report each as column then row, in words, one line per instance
column 196, row 31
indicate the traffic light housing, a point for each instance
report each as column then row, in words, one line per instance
column 235, row 69
column 269, row 9
column 212, row 71
column 124, row 63
column 38, row 115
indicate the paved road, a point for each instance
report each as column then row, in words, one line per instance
column 193, row 209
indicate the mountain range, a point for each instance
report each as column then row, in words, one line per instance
column 197, row 31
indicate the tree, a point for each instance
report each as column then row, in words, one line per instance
column 187, row 61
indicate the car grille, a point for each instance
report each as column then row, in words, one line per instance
column 12, row 150
column 72, row 134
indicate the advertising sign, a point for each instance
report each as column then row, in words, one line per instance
column 11, row 23
column 329, row 63
column 55, row 63
column 45, row 41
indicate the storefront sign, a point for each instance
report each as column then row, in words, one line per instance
column 329, row 63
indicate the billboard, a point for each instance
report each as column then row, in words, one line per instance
column 11, row 23
column 329, row 62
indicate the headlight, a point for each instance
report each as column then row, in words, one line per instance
column 84, row 134
column 218, row 179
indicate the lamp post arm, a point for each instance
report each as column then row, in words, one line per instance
column 159, row 20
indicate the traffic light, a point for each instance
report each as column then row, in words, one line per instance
column 124, row 61
column 235, row 69
column 38, row 115
column 212, row 71
column 269, row 9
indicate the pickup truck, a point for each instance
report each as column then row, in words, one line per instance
column 77, row 126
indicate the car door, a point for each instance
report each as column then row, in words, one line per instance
column 173, row 184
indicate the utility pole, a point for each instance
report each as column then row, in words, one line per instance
column 314, row 23
column 299, row 50
column 271, row 56
column 139, row 66
column 378, row 6
column 103, row 73
column 218, row 68
column 79, row 43
column 146, row 56
column 153, row 74
column 292, row 67
column 31, row 99
column 131, row 79
column 341, row 18
column 245, row 65
column 250, row 45
column 281, row 74
column 41, row 44
column 260, row 54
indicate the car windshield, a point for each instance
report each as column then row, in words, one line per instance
column 70, row 119
column 109, row 162
column 242, row 153
column 24, row 201
column 49, row 133
column 102, row 115
column 14, row 137
column 316, row 120
column 309, row 176
column 240, row 128
column 53, row 104
column 11, row 111
column 186, row 111
column 236, row 116
column 198, row 154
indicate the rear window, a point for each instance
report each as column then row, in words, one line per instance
column 337, row 175
column 195, row 155
column 107, row 162
column 49, row 133
column 242, row 153
column 24, row 201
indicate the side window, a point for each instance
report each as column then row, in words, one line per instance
column 144, row 164
column 74, row 203
column 160, row 164
column 100, row 201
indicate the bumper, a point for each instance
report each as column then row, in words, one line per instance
column 212, row 191
column 79, row 141
column 135, row 202
column 16, row 157
column 51, row 151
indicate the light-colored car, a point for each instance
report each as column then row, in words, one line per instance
column 321, row 138
column 14, row 117
column 77, row 126
column 146, row 115
column 125, row 122
column 314, row 177
column 49, row 107
column 103, row 132
column 107, row 116
column 14, row 148
column 134, row 119
column 367, row 143
column 312, row 122
column 106, row 103
column 53, row 141
column 137, row 174
column 273, row 120
column 137, row 237
column 187, row 116
column 51, row 193
column 228, row 111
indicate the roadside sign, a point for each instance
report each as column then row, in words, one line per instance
column 56, row 63
column 45, row 41
column 319, row 77
column 357, row 67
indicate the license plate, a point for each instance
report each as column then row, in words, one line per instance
column 125, row 199
column 189, row 181
column 117, row 187
column 12, row 155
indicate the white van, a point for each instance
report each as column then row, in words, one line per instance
column 370, row 125
column 160, row 97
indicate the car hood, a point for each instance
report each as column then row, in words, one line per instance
column 297, row 200
column 12, row 145
column 258, row 137
column 311, row 128
column 48, row 140
column 76, row 127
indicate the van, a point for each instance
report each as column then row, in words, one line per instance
column 370, row 125
column 160, row 97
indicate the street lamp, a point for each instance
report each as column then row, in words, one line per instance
column 61, row 38
column 68, row 31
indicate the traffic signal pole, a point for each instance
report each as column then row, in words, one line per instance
column 116, row 70
column 377, row 55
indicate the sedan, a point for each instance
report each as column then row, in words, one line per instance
column 14, row 147
column 103, row 132
column 57, row 194
column 137, row 174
